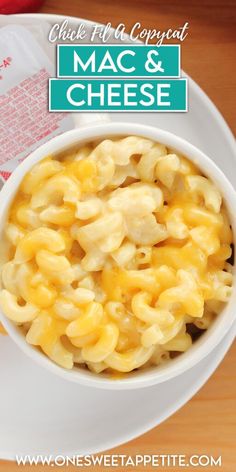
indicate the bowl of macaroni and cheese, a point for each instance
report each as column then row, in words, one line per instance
column 116, row 255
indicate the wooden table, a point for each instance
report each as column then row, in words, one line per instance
column 207, row 424
column 208, row 53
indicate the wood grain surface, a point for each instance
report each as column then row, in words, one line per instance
column 207, row 423
column 208, row 53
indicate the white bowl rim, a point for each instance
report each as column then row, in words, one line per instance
column 225, row 320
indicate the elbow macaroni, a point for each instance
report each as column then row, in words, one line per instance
column 114, row 251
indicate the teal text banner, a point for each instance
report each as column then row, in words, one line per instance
column 118, row 61
column 117, row 95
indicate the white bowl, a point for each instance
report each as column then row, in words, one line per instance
column 223, row 323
